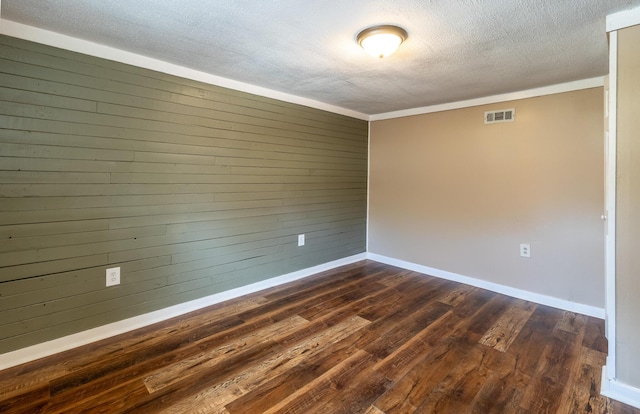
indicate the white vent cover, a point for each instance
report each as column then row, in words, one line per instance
column 502, row 115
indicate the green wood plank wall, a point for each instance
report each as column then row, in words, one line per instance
column 190, row 188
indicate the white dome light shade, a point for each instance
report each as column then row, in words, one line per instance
column 381, row 41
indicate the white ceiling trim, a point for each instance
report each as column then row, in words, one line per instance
column 620, row 20
column 73, row 44
column 529, row 93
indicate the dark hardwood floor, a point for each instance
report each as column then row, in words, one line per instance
column 365, row 338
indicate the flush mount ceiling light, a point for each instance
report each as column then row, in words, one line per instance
column 381, row 41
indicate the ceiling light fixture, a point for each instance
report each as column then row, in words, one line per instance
column 381, row 41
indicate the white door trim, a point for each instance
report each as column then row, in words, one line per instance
column 610, row 205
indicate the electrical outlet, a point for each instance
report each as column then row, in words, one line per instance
column 113, row 276
column 300, row 240
column 525, row 250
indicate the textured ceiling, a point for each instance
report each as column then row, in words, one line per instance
column 456, row 50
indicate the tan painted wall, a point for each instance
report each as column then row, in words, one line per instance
column 628, row 208
column 448, row 192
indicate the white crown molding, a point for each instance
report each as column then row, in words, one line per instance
column 31, row 353
column 625, row 18
column 37, row 35
column 512, row 96
column 494, row 287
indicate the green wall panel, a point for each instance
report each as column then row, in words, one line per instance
column 190, row 188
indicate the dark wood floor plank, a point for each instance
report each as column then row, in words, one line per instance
column 477, row 324
column 457, row 295
column 620, row 408
column 585, row 397
column 364, row 338
column 359, row 291
column 406, row 329
column 420, row 346
column 474, row 300
column 496, row 396
column 323, row 356
column 496, row 393
column 204, row 379
column 410, row 392
column 392, row 276
column 353, row 395
column 412, row 301
column 271, row 371
column 384, row 299
column 594, row 337
column 26, row 399
column 530, row 343
column 296, row 303
column 572, row 322
column 210, row 358
column 310, row 397
column 114, row 400
column 462, row 383
column 272, row 391
column 508, row 326
column 102, row 375
column 195, row 325
column 557, row 365
column 373, row 410
column 383, row 304
column 316, row 284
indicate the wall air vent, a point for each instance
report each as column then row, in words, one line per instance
column 502, row 115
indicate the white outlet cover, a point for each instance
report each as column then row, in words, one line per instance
column 300, row 240
column 525, row 250
column 113, row 276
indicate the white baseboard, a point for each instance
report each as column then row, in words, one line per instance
column 494, row 287
column 612, row 388
column 55, row 346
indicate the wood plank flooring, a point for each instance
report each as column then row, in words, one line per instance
column 364, row 338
